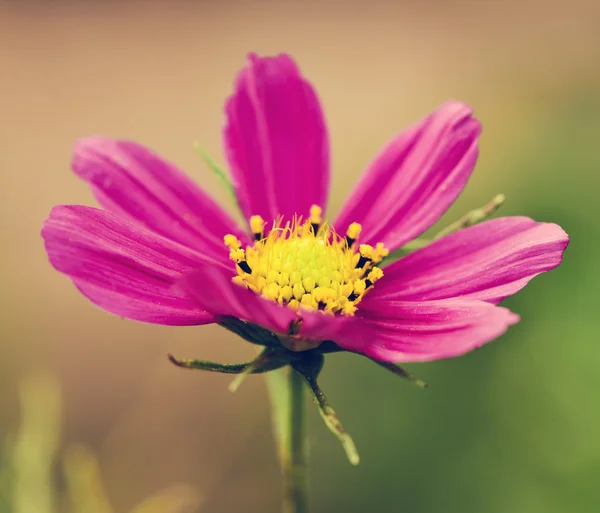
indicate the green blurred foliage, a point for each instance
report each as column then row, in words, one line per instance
column 29, row 481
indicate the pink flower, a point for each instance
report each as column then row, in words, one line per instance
column 162, row 251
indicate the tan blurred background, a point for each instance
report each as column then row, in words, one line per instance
column 510, row 428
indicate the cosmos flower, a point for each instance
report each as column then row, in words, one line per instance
column 162, row 251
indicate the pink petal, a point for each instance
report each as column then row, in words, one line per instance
column 131, row 181
column 489, row 261
column 276, row 140
column 122, row 267
column 415, row 178
column 214, row 292
column 430, row 330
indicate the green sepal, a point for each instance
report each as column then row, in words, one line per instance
column 399, row 371
column 267, row 361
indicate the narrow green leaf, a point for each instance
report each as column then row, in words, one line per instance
column 221, row 175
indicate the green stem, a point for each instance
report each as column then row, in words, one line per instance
column 473, row 217
column 294, row 460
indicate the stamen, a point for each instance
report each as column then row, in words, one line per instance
column 352, row 233
column 245, row 267
column 366, row 255
column 375, row 274
column 257, row 225
column 315, row 218
column 239, row 257
column 306, row 265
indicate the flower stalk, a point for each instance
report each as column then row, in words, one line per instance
column 294, row 457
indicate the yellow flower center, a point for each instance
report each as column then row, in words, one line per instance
column 307, row 264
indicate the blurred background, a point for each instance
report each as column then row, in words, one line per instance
column 91, row 400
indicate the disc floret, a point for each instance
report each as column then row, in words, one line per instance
column 307, row 264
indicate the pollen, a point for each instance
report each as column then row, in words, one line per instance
column 306, row 264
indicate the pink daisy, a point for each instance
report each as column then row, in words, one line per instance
column 162, row 251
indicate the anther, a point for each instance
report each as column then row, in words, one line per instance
column 257, row 225
column 245, row 267
column 352, row 233
column 239, row 257
column 315, row 218
column 373, row 276
column 366, row 255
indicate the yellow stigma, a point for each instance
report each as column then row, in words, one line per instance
column 232, row 242
column 307, row 265
column 380, row 252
